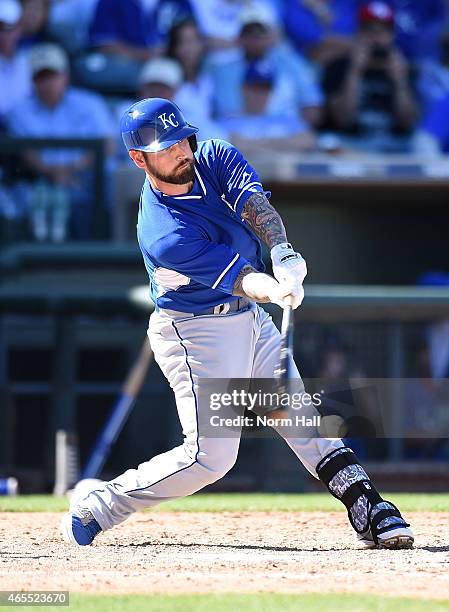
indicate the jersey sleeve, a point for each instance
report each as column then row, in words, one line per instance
column 237, row 178
column 189, row 253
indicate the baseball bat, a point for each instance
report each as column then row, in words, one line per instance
column 282, row 372
column 119, row 413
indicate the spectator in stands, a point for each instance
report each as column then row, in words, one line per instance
column 419, row 27
column 34, row 22
column 69, row 22
column 433, row 81
column 187, row 47
column 437, row 336
column 426, row 394
column 64, row 176
column 169, row 13
column 346, row 391
column 124, row 36
column 294, row 89
column 336, row 361
column 432, row 135
column 163, row 78
column 369, row 91
column 15, row 77
column 160, row 78
column 219, row 22
column 425, row 414
column 324, row 28
column 124, row 28
column 256, row 127
column 438, row 341
column 321, row 29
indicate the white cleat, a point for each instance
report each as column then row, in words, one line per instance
column 396, row 538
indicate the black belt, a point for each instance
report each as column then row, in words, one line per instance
column 221, row 309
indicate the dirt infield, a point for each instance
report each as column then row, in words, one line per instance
column 220, row 552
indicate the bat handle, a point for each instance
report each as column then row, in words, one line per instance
column 286, row 342
column 286, row 315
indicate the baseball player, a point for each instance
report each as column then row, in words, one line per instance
column 203, row 214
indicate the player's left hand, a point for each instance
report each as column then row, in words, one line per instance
column 289, row 268
column 295, row 295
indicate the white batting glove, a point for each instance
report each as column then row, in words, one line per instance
column 260, row 286
column 289, row 268
column 280, row 291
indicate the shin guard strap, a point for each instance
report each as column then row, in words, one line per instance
column 330, row 465
column 376, row 519
column 352, row 494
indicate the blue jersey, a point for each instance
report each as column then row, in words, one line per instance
column 194, row 245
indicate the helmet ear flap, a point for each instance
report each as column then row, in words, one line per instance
column 193, row 142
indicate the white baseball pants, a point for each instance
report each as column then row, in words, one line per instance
column 237, row 345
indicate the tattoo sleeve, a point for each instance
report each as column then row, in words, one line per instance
column 264, row 220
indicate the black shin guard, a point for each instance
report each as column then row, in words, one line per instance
column 346, row 480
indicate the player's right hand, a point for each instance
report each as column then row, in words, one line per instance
column 264, row 288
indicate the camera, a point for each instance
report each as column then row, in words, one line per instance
column 380, row 52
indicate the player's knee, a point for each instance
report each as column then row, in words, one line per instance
column 218, row 463
column 222, row 468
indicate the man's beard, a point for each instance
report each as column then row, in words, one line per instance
column 178, row 177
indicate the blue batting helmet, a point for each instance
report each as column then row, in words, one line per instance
column 155, row 124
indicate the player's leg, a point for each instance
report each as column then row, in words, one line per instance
column 376, row 521
column 310, row 450
column 186, row 350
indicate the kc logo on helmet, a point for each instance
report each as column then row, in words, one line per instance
column 170, row 120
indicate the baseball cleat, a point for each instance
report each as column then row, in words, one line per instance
column 79, row 529
column 387, row 528
column 394, row 539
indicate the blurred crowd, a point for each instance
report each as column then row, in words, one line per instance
column 297, row 75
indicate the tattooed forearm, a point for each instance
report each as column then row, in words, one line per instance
column 264, row 220
column 237, row 289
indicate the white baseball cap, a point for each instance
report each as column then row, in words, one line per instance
column 162, row 70
column 48, row 56
column 10, row 12
column 258, row 12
